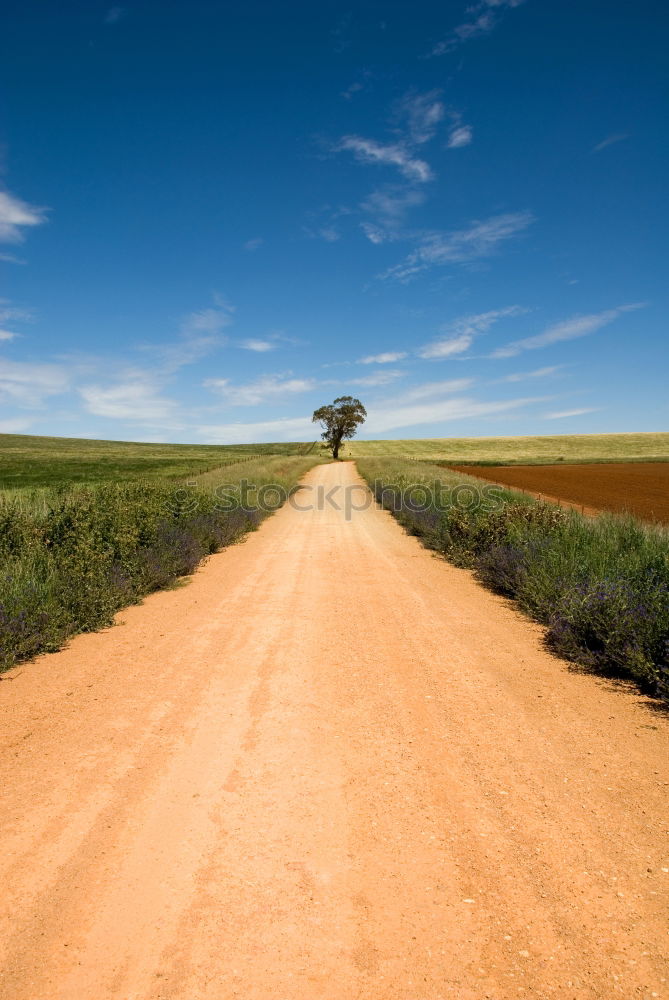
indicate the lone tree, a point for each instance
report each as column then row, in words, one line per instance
column 340, row 421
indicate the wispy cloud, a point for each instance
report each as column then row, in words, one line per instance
column 382, row 418
column 28, row 385
column 137, row 400
column 270, row 342
column 254, row 244
column 387, row 357
column 114, row 14
column 15, row 215
column 354, row 88
column 435, row 390
column 261, row 390
column 325, row 224
column 610, row 141
column 377, row 379
column 570, row 329
column 537, row 373
column 12, row 313
column 288, row 429
column 418, row 116
column 484, row 18
column 6, row 335
column 393, row 154
column 258, row 346
column 479, row 239
column 563, row 414
column 209, row 321
column 357, row 85
column 447, row 347
column 459, row 136
column 388, row 207
column 15, row 425
column 415, row 118
column 200, row 332
column 391, row 417
column 460, row 333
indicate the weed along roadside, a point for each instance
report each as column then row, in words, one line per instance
column 73, row 557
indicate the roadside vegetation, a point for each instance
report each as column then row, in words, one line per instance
column 599, row 585
column 520, row 450
column 71, row 556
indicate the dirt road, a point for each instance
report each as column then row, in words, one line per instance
column 331, row 767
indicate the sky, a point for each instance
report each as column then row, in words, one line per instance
column 216, row 217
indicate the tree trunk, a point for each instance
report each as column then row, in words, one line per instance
column 335, row 450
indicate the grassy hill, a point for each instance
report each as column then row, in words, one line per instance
column 28, row 461
column 520, row 450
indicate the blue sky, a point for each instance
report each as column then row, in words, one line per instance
column 215, row 217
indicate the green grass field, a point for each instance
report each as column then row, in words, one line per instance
column 27, row 461
column 520, row 450
column 34, row 462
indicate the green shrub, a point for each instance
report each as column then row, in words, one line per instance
column 70, row 558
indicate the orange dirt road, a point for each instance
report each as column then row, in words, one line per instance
column 331, row 767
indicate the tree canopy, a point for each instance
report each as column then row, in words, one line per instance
column 340, row 420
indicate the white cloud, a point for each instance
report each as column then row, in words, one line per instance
column 15, row 425
column 380, row 419
column 388, row 357
column 484, row 20
column 259, row 346
column 571, row 413
column 200, row 332
column 209, row 321
column 390, row 204
column 289, row 429
column 420, row 115
column 14, row 313
column 325, row 223
column 391, row 417
column 395, row 154
column 447, row 348
column 6, row 335
column 460, row 136
column 537, row 373
column 254, row 244
column 461, row 332
column 570, row 329
column 432, row 390
column 14, row 215
column 28, row 385
column 479, row 239
column 267, row 387
column 378, row 378
column 137, row 399
column 374, row 233
column 610, row 141
column 388, row 207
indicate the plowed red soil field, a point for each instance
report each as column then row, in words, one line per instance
column 640, row 488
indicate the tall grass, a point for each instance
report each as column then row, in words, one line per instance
column 601, row 585
column 71, row 557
